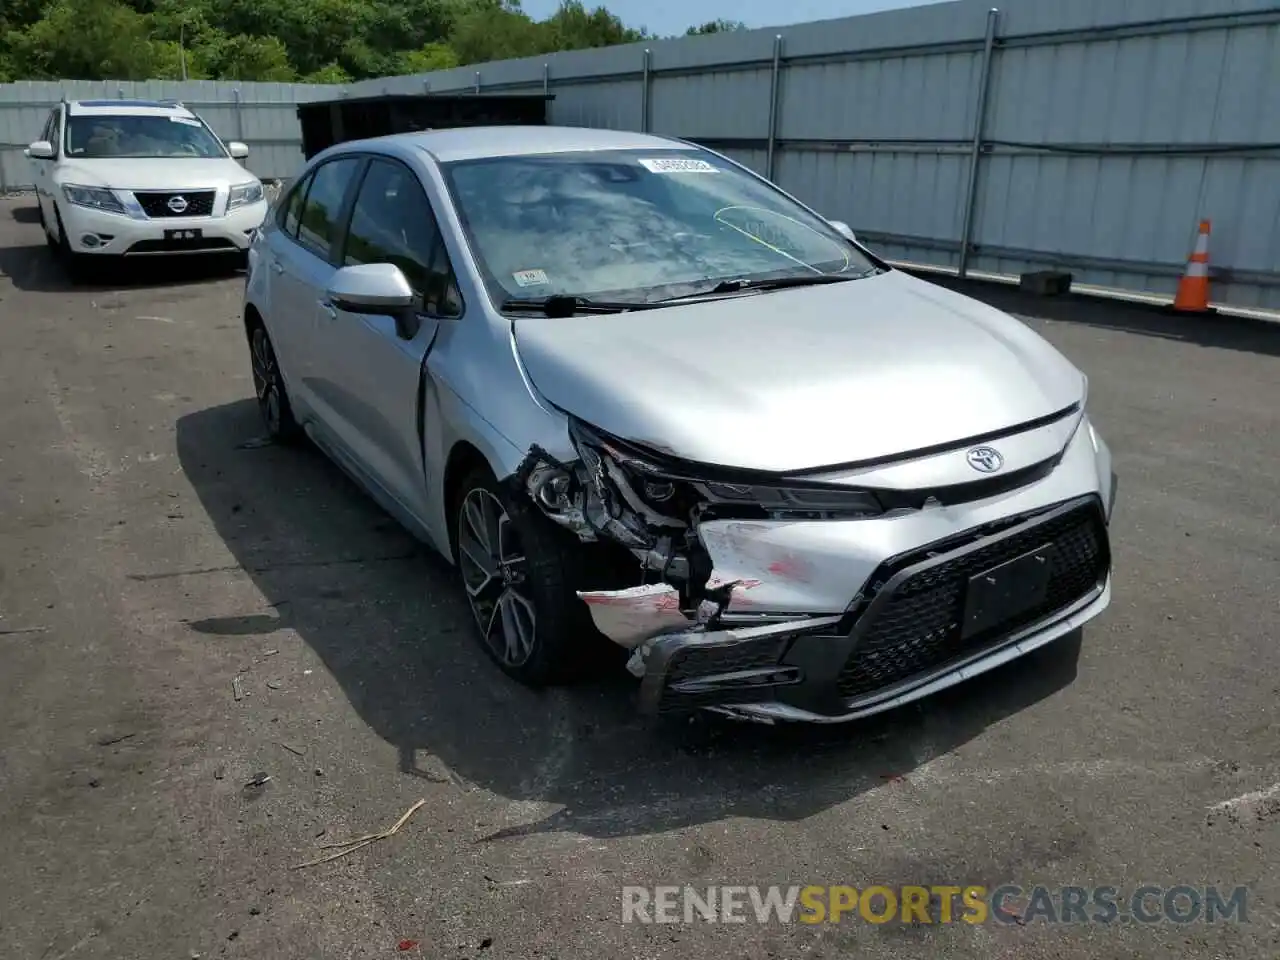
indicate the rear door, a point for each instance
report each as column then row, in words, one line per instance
column 301, row 261
column 369, row 374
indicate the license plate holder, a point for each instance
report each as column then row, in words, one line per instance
column 183, row 236
column 1006, row 591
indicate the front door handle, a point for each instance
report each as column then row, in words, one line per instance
column 329, row 309
column 277, row 266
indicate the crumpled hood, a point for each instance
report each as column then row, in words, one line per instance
column 181, row 173
column 803, row 378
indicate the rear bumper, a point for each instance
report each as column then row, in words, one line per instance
column 905, row 637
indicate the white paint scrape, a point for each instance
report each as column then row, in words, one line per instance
column 631, row 616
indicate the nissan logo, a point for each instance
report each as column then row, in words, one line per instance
column 177, row 204
column 984, row 459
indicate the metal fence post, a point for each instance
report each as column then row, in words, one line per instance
column 644, row 92
column 975, row 150
column 235, row 105
column 477, row 89
column 775, row 80
column 546, row 79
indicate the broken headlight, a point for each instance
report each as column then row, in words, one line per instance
column 798, row 501
column 673, row 488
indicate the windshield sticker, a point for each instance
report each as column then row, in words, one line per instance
column 530, row 278
column 677, row 165
column 187, row 120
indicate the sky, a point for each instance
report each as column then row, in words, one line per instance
column 668, row 17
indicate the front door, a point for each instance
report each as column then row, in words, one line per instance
column 43, row 171
column 370, row 374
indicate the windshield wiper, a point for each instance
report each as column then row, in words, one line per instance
column 741, row 284
column 565, row 306
column 781, row 283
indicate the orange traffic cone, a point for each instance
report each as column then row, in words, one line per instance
column 1193, row 288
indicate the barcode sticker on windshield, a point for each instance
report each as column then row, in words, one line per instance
column 530, row 278
column 187, row 120
column 677, row 165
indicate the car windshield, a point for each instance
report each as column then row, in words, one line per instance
column 636, row 226
column 140, row 135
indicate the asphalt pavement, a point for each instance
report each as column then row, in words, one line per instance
column 186, row 610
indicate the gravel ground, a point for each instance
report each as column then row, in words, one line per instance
column 153, row 552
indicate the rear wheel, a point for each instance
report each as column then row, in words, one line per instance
column 268, row 385
column 519, row 572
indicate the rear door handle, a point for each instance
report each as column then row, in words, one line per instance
column 329, row 309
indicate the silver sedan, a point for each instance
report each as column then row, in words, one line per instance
column 645, row 401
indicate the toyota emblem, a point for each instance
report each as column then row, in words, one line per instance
column 985, row 459
column 177, row 204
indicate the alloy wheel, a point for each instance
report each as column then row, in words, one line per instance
column 494, row 571
column 266, row 379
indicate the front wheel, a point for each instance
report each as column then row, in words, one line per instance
column 268, row 385
column 76, row 264
column 519, row 573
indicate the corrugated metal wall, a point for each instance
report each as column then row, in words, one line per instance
column 262, row 115
column 1108, row 128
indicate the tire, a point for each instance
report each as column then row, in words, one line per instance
column 75, row 264
column 559, row 644
column 48, row 237
column 269, row 388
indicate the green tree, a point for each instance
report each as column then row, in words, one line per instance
column 320, row 41
column 83, row 40
column 574, row 27
column 430, row 57
column 715, row 26
column 329, row 73
column 242, row 57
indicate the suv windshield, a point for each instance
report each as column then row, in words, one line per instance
column 634, row 225
column 98, row 136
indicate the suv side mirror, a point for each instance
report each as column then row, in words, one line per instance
column 376, row 288
column 237, row 150
column 845, row 230
column 40, row 150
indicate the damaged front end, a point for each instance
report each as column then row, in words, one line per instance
column 688, row 648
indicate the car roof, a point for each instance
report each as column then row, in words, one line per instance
column 473, row 143
column 154, row 108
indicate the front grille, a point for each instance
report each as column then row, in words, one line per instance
column 918, row 628
column 155, row 204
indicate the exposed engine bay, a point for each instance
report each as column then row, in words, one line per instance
column 653, row 507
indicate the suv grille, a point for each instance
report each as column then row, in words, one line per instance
column 199, row 203
column 918, row 627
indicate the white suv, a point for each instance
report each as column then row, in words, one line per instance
column 141, row 177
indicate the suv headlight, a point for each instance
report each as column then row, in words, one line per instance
column 244, row 194
column 95, row 198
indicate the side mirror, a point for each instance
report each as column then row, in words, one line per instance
column 238, row 150
column 377, row 288
column 844, row 229
column 40, row 150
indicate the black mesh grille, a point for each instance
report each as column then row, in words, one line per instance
column 199, row 203
column 693, row 662
column 918, row 628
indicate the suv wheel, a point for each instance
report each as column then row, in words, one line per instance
column 76, row 264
